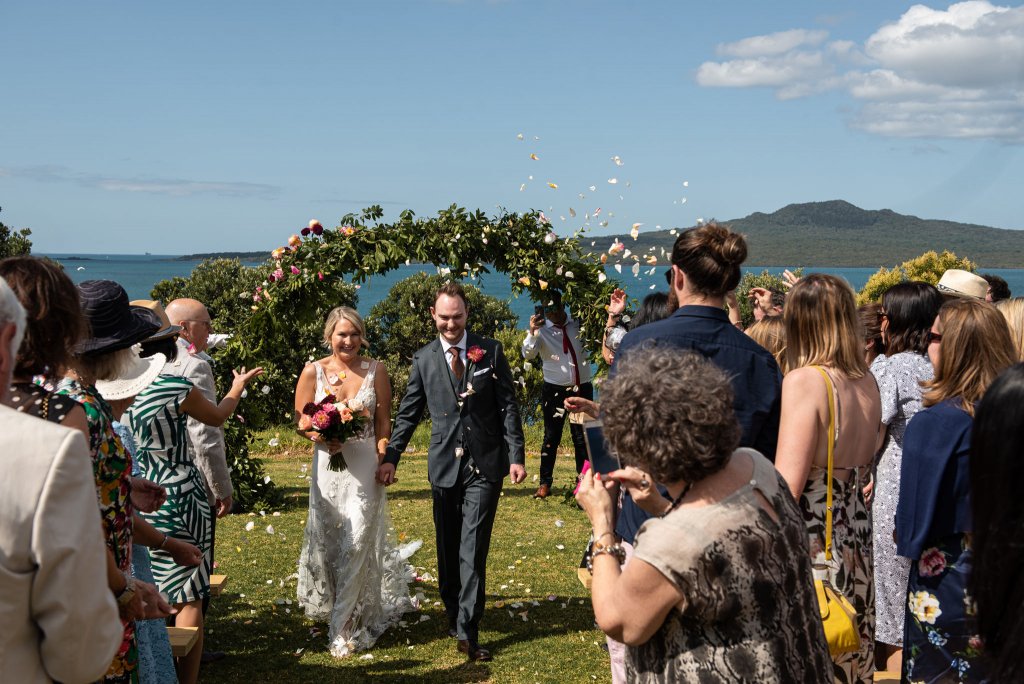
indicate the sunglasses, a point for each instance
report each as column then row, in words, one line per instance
column 934, row 337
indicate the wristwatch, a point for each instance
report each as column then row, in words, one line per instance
column 128, row 593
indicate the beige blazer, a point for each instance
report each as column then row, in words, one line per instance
column 59, row 619
column 205, row 443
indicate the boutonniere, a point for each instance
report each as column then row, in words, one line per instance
column 475, row 354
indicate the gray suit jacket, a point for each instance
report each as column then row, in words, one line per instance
column 59, row 617
column 486, row 424
column 205, row 443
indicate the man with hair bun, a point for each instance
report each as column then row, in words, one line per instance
column 706, row 264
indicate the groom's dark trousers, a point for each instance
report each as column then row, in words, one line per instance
column 463, row 519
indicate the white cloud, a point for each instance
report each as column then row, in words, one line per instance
column 772, row 43
column 161, row 186
column 763, row 71
column 945, row 73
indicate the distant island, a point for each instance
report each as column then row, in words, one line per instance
column 831, row 233
column 837, row 233
column 241, row 256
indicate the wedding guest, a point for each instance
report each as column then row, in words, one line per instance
column 157, row 418
column 770, row 333
column 1013, row 312
column 205, row 442
column 956, row 283
column 53, row 584
column 705, row 267
column 998, row 289
column 54, row 325
column 997, row 579
column 695, row 604
column 824, row 352
column 969, row 346
column 557, row 339
column 871, row 328
column 908, row 310
column 652, row 308
column 113, row 331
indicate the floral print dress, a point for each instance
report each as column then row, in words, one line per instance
column 899, row 384
column 933, row 530
column 850, row 571
column 112, row 468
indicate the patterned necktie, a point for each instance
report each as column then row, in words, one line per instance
column 458, row 368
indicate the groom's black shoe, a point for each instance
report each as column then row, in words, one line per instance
column 474, row 651
column 453, row 628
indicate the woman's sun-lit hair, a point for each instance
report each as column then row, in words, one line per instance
column 349, row 314
column 975, row 349
column 823, row 327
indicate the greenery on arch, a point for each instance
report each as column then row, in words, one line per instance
column 306, row 273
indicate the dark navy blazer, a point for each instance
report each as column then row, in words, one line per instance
column 756, row 379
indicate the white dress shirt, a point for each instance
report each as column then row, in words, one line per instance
column 558, row 363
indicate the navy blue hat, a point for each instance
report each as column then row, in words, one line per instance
column 114, row 324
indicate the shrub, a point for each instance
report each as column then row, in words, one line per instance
column 927, row 268
column 763, row 279
column 528, row 378
column 14, row 242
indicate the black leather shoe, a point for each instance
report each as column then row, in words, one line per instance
column 475, row 652
column 213, row 656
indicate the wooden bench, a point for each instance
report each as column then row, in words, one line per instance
column 182, row 640
column 217, row 584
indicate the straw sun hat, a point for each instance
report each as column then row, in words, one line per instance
column 135, row 376
column 960, row 283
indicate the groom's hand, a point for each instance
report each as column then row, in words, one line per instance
column 516, row 473
column 386, row 473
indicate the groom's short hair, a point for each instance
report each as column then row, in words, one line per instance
column 452, row 289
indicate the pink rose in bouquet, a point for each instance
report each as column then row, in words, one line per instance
column 336, row 421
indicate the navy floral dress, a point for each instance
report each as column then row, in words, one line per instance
column 933, row 530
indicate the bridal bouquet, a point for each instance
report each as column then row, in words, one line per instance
column 335, row 421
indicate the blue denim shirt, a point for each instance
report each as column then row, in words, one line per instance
column 756, row 380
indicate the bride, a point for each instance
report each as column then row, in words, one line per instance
column 351, row 574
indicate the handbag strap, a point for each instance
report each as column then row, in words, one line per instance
column 831, row 453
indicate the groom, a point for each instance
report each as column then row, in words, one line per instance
column 475, row 438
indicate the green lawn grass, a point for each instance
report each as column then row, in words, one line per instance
column 538, row 623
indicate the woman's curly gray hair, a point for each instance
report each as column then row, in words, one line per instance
column 669, row 412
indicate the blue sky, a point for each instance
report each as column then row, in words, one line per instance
column 187, row 127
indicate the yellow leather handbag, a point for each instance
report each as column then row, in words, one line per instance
column 837, row 614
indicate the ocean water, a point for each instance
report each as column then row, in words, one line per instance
column 138, row 273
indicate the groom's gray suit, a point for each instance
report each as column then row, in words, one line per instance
column 475, row 434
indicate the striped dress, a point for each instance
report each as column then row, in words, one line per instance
column 158, row 425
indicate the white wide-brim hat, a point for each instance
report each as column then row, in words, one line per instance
column 961, row 283
column 136, row 375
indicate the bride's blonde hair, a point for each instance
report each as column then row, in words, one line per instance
column 344, row 313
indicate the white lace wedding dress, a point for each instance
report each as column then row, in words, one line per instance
column 351, row 573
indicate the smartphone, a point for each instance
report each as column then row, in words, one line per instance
column 602, row 458
column 538, row 310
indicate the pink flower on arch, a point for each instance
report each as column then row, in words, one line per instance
column 347, row 230
column 278, row 274
column 295, row 270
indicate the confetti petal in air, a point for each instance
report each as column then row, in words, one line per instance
column 550, row 238
column 686, row 184
column 519, row 136
column 534, row 157
column 613, row 181
column 618, row 267
column 572, row 212
column 616, row 248
column 597, row 212
column 593, row 188
column 543, row 284
column 553, row 186
column 636, row 269
column 522, row 187
column 617, row 160
column 652, row 260
column 601, row 277
column 635, row 231
column 524, row 281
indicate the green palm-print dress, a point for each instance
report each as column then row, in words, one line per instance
column 158, row 425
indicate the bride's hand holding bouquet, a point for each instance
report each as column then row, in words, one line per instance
column 335, row 422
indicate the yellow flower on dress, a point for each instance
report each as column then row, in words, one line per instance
column 924, row 606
